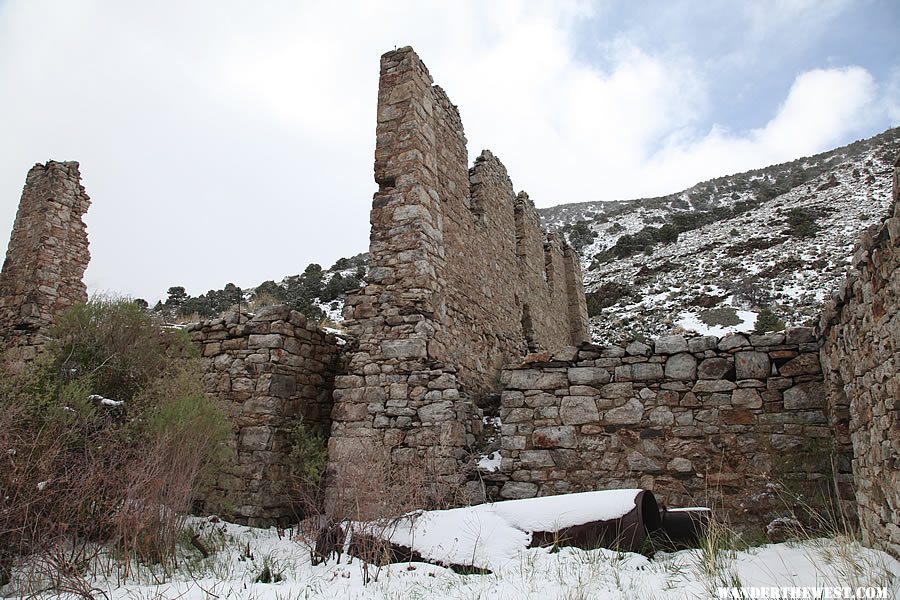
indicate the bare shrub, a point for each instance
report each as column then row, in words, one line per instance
column 105, row 441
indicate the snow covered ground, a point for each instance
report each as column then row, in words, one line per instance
column 245, row 558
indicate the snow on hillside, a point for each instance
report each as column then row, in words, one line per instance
column 779, row 238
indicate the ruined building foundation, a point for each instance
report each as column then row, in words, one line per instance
column 463, row 283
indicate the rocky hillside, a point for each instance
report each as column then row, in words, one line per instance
column 755, row 250
column 760, row 249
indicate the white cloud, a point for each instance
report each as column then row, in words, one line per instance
column 222, row 143
column 821, row 107
column 801, row 18
column 891, row 96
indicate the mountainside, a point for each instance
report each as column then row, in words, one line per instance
column 757, row 249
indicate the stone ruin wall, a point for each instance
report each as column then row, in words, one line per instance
column 738, row 423
column 46, row 257
column 461, row 279
column 860, row 328
column 269, row 371
column 511, row 288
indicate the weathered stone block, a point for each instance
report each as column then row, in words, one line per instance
column 732, row 342
column 404, row 348
column 715, row 368
column 647, row 371
column 746, row 398
column 535, row 459
column 769, row 339
column 513, row 490
column 629, row 414
column 533, row 379
column 243, row 384
column 566, row 354
column 805, row 364
column 577, row 410
column 350, row 411
column 583, row 390
column 512, row 399
column 661, row 416
column 554, row 437
column 680, row 465
column 279, row 312
column 805, row 396
column 737, row 416
column 588, row 376
column 270, row 340
column 639, row 372
column 541, row 400
column 282, row 386
column 517, row 415
column 255, row 438
column 671, row 344
column 638, row 349
column 617, row 390
column 703, row 343
column 708, row 386
column 681, row 366
column 638, row 462
column 751, row 365
column 799, row 335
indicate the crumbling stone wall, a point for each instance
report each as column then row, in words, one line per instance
column 738, row 422
column 269, row 372
column 46, row 257
column 860, row 327
column 461, row 279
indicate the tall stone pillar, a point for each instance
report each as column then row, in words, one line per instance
column 46, row 258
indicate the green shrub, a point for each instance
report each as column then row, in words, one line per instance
column 308, row 455
column 116, row 344
column 579, row 234
column 307, row 461
column 724, row 316
column 109, row 436
column 802, row 223
column 767, row 321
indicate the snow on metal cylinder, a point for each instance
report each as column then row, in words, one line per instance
column 488, row 535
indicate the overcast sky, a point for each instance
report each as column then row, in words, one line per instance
column 233, row 141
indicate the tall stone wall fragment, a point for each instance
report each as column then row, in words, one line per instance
column 461, row 280
column 860, row 327
column 46, row 257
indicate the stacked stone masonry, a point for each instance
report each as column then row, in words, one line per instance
column 46, row 257
column 461, row 280
column 269, row 372
column 739, row 423
column 860, row 328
